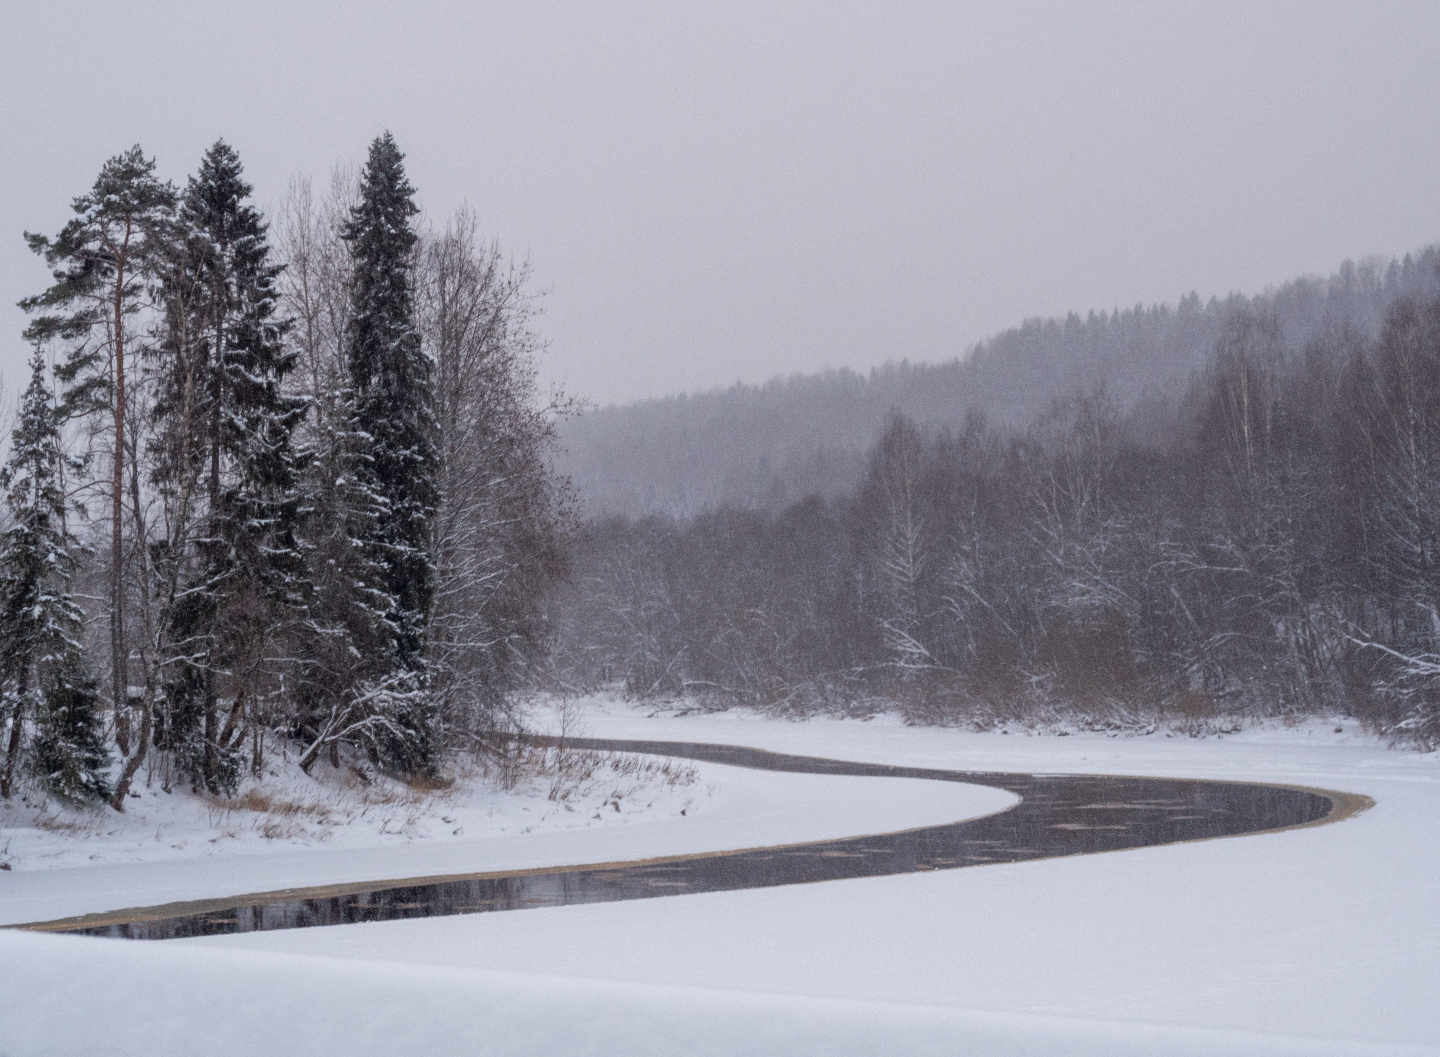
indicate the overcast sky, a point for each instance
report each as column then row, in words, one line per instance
column 735, row 190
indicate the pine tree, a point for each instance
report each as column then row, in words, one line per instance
column 391, row 385
column 40, row 624
column 225, row 433
column 104, row 260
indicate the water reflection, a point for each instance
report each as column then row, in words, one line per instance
column 1057, row 815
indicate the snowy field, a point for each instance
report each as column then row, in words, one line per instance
column 1321, row 940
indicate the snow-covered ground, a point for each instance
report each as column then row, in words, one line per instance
column 101, row 860
column 1321, row 940
column 287, row 810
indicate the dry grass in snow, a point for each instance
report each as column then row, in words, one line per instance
column 349, row 806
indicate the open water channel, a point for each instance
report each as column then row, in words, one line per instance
column 1058, row 814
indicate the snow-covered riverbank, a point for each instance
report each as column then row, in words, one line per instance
column 470, row 828
column 1324, row 940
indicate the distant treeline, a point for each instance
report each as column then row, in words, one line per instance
column 768, row 446
column 1265, row 542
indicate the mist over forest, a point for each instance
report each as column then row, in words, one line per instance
column 769, row 445
column 1179, row 517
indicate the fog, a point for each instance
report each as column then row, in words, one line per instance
column 756, row 189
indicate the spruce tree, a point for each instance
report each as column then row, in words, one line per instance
column 391, row 387
column 225, row 432
column 41, row 656
column 348, row 691
column 70, row 756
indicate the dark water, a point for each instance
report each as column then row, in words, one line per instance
column 1057, row 815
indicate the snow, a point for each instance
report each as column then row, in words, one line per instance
column 473, row 828
column 164, row 999
column 1320, row 940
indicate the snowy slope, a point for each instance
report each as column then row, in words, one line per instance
column 108, row 997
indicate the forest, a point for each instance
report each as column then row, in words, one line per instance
column 270, row 485
column 773, row 444
column 1258, row 541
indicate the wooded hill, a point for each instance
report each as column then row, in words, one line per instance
column 765, row 446
column 1193, row 536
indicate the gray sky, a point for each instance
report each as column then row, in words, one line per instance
column 738, row 190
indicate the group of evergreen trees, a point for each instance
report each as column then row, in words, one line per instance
column 1267, row 542
column 263, row 440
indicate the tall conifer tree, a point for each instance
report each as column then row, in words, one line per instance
column 348, row 691
column 41, row 656
column 225, row 433
column 390, row 378
column 103, row 262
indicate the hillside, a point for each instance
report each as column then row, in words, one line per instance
column 771, row 444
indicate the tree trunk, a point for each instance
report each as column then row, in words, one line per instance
column 12, row 752
column 122, row 787
column 119, row 681
column 211, row 719
column 210, row 761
